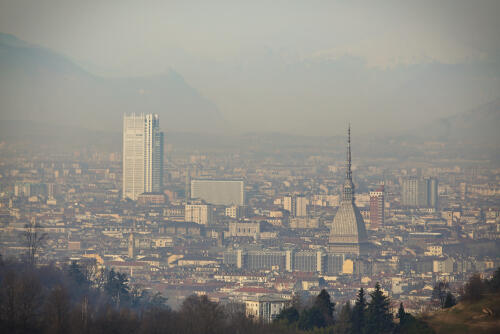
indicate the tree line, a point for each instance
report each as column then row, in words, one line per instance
column 373, row 316
column 80, row 298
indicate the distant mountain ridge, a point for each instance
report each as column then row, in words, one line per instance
column 478, row 126
column 40, row 85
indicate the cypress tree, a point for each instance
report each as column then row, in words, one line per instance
column 401, row 314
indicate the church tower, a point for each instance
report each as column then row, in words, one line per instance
column 348, row 233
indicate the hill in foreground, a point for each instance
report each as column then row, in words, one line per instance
column 482, row 316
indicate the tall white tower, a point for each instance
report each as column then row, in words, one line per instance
column 142, row 155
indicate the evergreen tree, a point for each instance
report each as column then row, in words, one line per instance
column 311, row 318
column 358, row 313
column 494, row 283
column 474, row 289
column 379, row 318
column 401, row 314
column 343, row 324
column 289, row 314
column 449, row 301
column 324, row 304
column 117, row 287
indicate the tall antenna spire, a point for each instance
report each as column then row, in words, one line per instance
column 348, row 162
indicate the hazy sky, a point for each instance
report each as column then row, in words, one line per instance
column 294, row 66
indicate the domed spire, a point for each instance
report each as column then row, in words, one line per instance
column 348, row 189
column 348, row 232
column 348, row 162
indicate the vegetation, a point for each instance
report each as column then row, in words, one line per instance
column 80, row 298
column 365, row 317
column 477, row 311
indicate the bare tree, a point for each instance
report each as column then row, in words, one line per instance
column 34, row 240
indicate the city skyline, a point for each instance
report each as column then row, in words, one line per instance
column 164, row 161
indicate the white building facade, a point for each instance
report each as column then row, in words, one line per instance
column 264, row 308
column 142, row 155
column 199, row 214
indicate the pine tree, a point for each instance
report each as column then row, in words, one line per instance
column 325, row 306
column 379, row 318
column 358, row 313
column 290, row 315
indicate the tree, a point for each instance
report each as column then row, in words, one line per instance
column 56, row 311
column 289, row 314
column 116, row 287
column 402, row 315
column 209, row 315
column 439, row 293
column 325, row 306
column 343, row 324
column 449, row 301
column 474, row 289
column 411, row 325
column 358, row 313
column 311, row 318
column 20, row 300
column 494, row 283
column 34, row 240
column 297, row 301
column 379, row 318
column 76, row 274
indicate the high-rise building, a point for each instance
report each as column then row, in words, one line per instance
column 296, row 205
column 131, row 246
column 142, row 155
column 219, row 192
column 288, row 204
column 419, row 193
column 348, row 232
column 377, row 208
column 432, row 190
column 198, row 213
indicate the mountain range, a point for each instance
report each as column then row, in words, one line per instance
column 40, row 85
column 45, row 93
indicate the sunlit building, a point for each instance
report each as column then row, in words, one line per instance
column 142, row 155
column 377, row 208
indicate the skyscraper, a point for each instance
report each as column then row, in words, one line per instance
column 296, row 205
column 348, row 233
column 419, row 193
column 377, row 208
column 432, row 190
column 142, row 155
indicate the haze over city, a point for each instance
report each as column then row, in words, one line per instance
column 289, row 67
column 249, row 167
